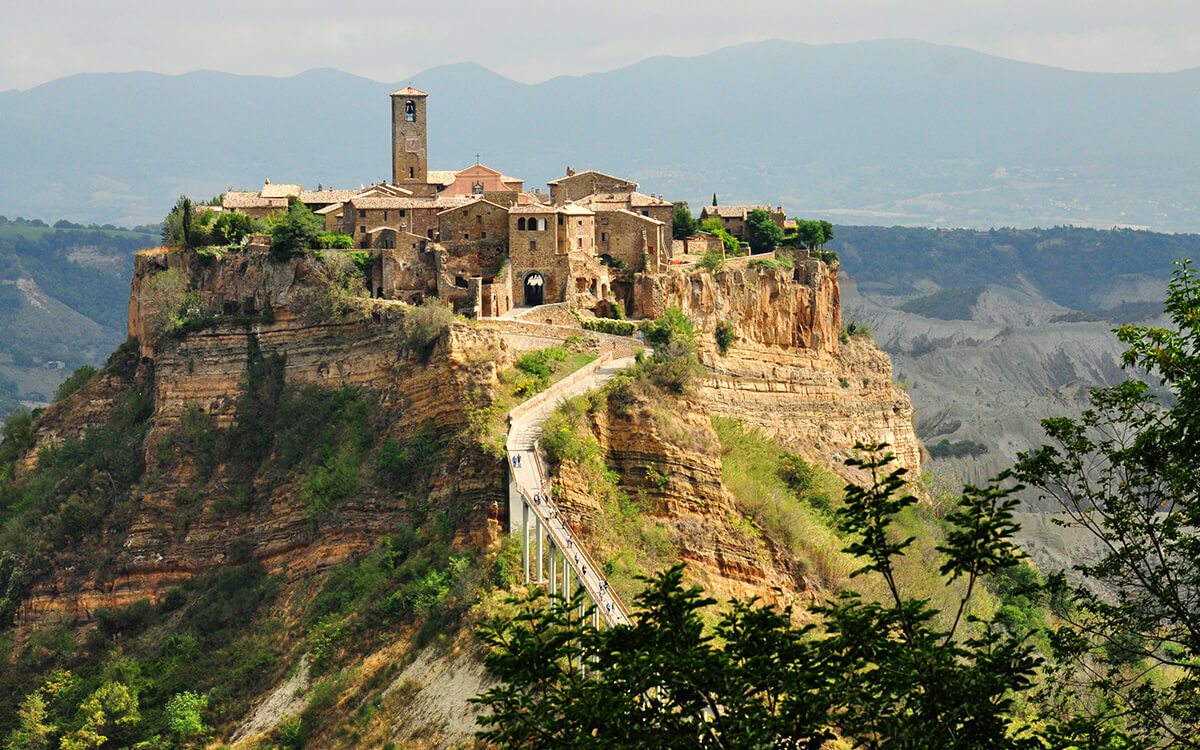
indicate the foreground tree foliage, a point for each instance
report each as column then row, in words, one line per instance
column 1128, row 472
column 877, row 674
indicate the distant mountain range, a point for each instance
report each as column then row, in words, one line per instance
column 884, row 132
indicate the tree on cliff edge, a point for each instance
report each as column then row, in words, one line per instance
column 683, row 224
column 763, row 234
column 296, row 233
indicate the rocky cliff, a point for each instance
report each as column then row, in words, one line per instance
column 204, row 450
column 667, row 460
column 791, row 371
column 178, row 526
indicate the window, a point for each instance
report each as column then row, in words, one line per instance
column 483, row 235
column 362, row 213
column 385, row 215
column 579, row 223
column 533, row 244
column 521, row 225
column 402, row 213
column 604, row 236
column 466, row 235
column 362, row 229
column 645, row 212
column 542, row 225
column 579, row 242
column 429, row 234
column 410, row 111
column 410, row 173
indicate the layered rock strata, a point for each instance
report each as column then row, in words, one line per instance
column 789, row 371
column 666, row 455
column 178, row 529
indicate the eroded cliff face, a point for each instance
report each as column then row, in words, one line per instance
column 179, row 525
column 667, row 457
column 789, row 373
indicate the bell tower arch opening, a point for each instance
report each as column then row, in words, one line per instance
column 410, row 159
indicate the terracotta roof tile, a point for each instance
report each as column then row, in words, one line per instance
column 326, row 196
column 409, row 91
column 590, row 172
column 731, row 212
column 638, row 216
column 281, row 191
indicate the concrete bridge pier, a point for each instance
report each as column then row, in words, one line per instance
column 541, row 577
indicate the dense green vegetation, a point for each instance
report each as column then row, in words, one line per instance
column 1116, row 666
column 952, row 303
column 164, row 675
column 882, row 673
column 811, row 234
column 763, row 234
column 1067, row 264
column 683, row 224
column 63, row 294
column 957, row 449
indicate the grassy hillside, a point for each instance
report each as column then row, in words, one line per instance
column 1078, row 268
column 63, row 301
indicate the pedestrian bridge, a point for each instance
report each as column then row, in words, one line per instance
column 552, row 554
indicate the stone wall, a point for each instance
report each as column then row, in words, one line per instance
column 627, row 237
column 479, row 221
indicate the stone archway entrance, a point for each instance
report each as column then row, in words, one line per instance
column 535, row 289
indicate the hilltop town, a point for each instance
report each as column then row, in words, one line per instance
column 478, row 239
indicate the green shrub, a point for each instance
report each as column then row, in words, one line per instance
column 726, row 336
column 338, row 283
column 540, row 364
column 958, row 449
column 77, row 380
column 335, row 241
column 609, row 325
column 209, row 255
column 295, row 233
column 232, row 227
column 329, row 484
column 672, row 327
column 424, row 324
column 858, row 329
column 782, row 263
column 797, row 473
column 399, row 465
column 711, row 261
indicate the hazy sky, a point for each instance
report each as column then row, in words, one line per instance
column 531, row 40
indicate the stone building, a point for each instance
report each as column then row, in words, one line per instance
column 733, row 218
column 582, row 184
column 482, row 181
column 476, row 238
column 410, row 158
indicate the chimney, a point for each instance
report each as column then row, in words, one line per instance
column 570, row 172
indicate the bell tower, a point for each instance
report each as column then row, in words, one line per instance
column 410, row 160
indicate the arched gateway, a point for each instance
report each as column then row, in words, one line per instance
column 535, row 289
